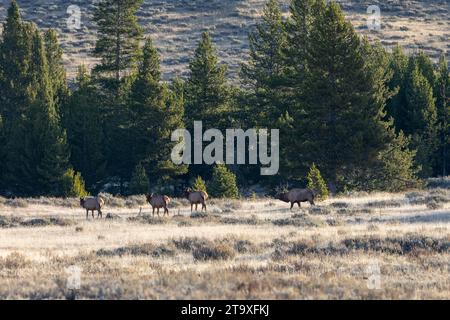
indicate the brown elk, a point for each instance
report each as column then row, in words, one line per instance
column 297, row 196
column 196, row 198
column 157, row 202
column 92, row 204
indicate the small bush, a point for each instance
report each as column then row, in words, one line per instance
column 434, row 205
column 317, row 183
column 223, row 183
column 212, row 251
column 339, row 205
column 42, row 222
column 319, row 210
column 14, row 261
column 146, row 249
column 385, row 204
column 139, row 183
column 16, row 203
column 9, row 221
column 73, row 184
column 199, row 184
column 197, row 215
column 149, row 219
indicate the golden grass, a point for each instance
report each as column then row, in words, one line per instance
column 240, row 253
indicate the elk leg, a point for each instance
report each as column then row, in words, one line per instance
column 153, row 212
column 87, row 214
column 292, row 205
column 157, row 211
column 299, row 204
column 312, row 203
column 196, row 207
column 204, row 206
column 92, row 214
column 192, row 206
column 166, row 211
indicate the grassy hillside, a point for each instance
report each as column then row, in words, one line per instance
column 176, row 25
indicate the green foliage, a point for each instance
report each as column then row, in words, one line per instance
column 139, row 183
column 317, row 183
column 265, row 69
column 82, row 119
column 73, row 184
column 155, row 112
column 206, row 92
column 368, row 119
column 118, row 39
column 199, row 184
column 223, row 183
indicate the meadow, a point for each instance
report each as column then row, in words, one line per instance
column 355, row 246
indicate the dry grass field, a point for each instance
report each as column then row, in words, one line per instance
column 176, row 25
column 360, row 246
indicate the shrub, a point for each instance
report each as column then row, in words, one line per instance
column 139, row 183
column 223, row 183
column 199, row 184
column 212, row 251
column 73, row 184
column 317, row 183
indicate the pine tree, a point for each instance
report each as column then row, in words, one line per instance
column 398, row 64
column 57, row 73
column 298, row 27
column 442, row 94
column 223, row 183
column 139, row 183
column 206, row 95
column 264, row 72
column 156, row 111
column 38, row 153
column 118, row 40
column 342, row 127
column 317, row 183
column 15, row 53
column 420, row 118
column 82, row 120
column 73, row 184
column 199, row 184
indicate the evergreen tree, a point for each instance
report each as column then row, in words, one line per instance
column 264, row 72
column 82, row 118
column 442, row 94
column 223, row 183
column 73, row 184
column 199, row 184
column 398, row 64
column 342, row 125
column 57, row 73
column 15, row 54
column 206, row 95
column 118, row 40
column 139, row 183
column 298, row 27
column 317, row 183
column 420, row 118
column 38, row 153
column 156, row 111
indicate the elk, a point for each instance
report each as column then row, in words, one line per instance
column 92, row 204
column 157, row 202
column 196, row 197
column 297, row 196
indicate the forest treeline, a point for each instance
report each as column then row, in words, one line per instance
column 366, row 117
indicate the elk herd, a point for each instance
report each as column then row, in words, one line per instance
column 157, row 201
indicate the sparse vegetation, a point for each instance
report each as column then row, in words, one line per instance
column 336, row 244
